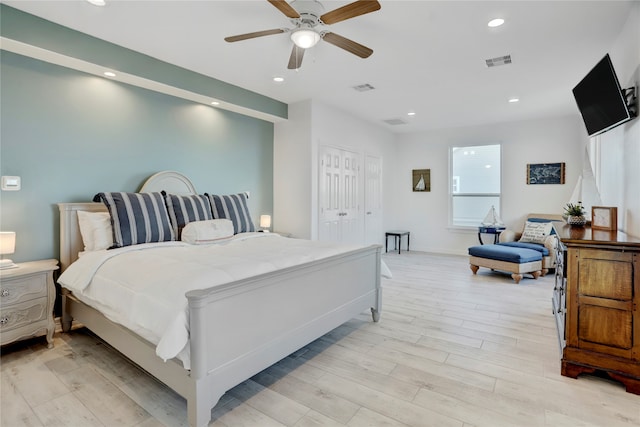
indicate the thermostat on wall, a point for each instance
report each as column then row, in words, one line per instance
column 10, row 183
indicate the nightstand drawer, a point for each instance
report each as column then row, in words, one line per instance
column 23, row 288
column 22, row 314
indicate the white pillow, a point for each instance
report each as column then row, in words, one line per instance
column 209, row 231
column 96, row 230
column 536, row 232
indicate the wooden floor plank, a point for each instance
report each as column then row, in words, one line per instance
column 64, row 411
column 14, row 409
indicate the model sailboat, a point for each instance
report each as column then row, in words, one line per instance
column 586, row 190
column 492, row 219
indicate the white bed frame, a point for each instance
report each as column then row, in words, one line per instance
column 237, row 329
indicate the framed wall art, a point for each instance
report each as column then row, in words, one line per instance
column 545, row 173
column 421, row 180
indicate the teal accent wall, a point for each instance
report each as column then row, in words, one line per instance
column 70, row 135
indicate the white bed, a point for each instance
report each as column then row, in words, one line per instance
column 238, row 328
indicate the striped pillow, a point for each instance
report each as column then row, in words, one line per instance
column 233, row 207
column 185, row 209
column 137, row 218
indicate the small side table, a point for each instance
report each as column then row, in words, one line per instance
column 397, row 235
column 490, row 230
column 27, row 295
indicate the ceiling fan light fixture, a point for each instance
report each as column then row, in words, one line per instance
column 305, row 38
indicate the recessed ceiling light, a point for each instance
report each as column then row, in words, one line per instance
column 109, row 74
column 411, row 113
column 97, row 2
column 487, row 166
column 495, row 22
column 278, row 79
column 514, row 100
column 215, row 103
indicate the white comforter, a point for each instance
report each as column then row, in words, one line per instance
column 143, row 287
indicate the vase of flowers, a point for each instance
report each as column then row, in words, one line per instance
column 575, row 214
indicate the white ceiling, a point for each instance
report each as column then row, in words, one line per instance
column 428, row 55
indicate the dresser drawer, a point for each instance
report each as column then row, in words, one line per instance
column 24, row 313
column 23, row 288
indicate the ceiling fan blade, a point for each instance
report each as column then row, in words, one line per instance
column 295, row 60
column 351, row 10
column 348, row 45
column 285, row 8
column 253, row 35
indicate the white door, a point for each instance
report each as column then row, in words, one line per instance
column 329, row 192
column 351, row 221
column 339, row 210
column 373, row 200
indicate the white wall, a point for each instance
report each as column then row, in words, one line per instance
column 296, row 141
column 291, row 172
column 620, row 147
column 426, row 215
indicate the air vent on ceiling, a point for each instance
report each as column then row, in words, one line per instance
column 500, row 60
column 395, row 122
column 364, row 87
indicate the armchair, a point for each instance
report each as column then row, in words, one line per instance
column 545, row 244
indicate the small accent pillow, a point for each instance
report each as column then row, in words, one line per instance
column 233, row 207
column 553, row 228
column 137, row 218
column 536, row 232
column 96, row 231
column 202, row 232
column 185, row 209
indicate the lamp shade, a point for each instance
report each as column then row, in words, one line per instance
column 7, row 242
column 305, row 38
column 265, row 221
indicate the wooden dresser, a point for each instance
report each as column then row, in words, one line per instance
column 597, row 300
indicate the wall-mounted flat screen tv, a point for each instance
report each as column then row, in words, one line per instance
column 600, row 99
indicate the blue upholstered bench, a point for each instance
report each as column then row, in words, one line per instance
column 515, row 259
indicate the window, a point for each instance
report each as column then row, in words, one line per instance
column 475, row 183
column 455, row 184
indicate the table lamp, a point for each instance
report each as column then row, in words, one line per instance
column 7, row 246
column 265, row 222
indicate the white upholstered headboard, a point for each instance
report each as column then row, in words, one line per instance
column 70, row 238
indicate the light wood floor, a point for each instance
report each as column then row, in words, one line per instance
column 451, row 349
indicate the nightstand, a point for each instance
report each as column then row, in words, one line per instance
column 27, row 295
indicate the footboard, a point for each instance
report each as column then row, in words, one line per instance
column 241, row 328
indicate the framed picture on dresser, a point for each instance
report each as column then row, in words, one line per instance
column 604, row 218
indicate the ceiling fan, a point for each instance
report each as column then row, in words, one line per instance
column 308, row 20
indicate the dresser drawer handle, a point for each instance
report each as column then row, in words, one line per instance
column 5, row 293
column 4, row 320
